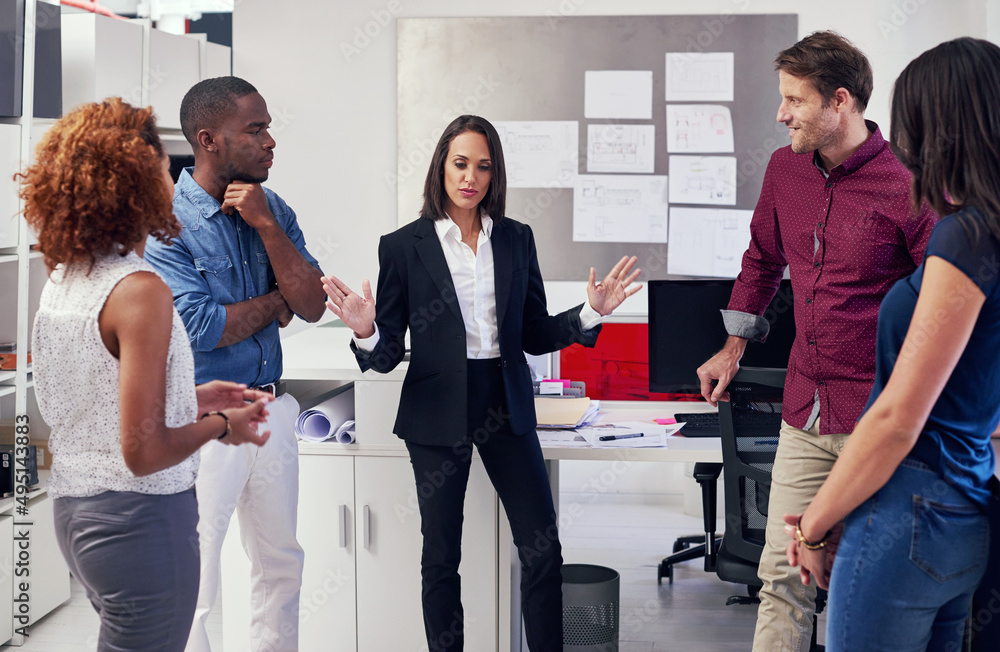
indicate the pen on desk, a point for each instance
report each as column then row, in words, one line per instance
column 616, row 437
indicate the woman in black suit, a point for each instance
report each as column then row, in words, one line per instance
column 465, row 281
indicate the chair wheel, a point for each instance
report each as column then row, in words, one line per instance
column 670, row 574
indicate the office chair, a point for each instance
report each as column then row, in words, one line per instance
column 750, row 423
column 693, row 546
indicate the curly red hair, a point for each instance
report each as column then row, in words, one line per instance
column 96, row 186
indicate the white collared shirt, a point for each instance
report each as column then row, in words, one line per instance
column 475, row 288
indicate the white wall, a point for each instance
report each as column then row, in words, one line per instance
column 334, row 112
column 993, row 20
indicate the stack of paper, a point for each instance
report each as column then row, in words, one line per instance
column 560, row 412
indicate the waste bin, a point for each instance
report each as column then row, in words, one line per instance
column 590, row 608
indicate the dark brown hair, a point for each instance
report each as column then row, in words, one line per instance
column 830, row 61
column 96, row 186
column 946, row 128
column 494, row 201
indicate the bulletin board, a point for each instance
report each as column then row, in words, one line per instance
column 534, row 69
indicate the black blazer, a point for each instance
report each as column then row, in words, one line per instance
column 415, row 291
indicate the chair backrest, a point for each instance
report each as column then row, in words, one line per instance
column 750, row 422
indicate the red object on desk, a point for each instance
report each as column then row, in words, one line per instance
column 617, row 369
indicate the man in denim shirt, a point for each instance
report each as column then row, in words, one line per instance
column 238, row 272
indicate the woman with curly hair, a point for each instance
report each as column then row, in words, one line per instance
column 124, row 461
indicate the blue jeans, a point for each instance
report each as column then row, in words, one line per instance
column 909, row 561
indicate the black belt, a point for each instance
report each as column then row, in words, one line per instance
column 275, row 389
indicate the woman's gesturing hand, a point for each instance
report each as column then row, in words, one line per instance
column 609, row 293
column 218, row 395
column 357, row 312
column 243, row 422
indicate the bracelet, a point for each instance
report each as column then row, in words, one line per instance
column 818, row 545
column 229, row 427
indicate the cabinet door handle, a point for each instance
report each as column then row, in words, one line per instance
column 343, row 526
column 367, row 526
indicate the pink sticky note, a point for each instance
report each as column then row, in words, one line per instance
column 665, row 422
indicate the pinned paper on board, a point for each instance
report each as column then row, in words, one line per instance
column 708, row 241
column 703, row 180
column 621, row 148
column 699, row 77
column 540, row 154
column 618, row 94
column 620, row 208
column 699, row 128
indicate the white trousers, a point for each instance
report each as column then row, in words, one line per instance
column 262, row 486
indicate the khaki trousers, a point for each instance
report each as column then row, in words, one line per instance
column 785, row 616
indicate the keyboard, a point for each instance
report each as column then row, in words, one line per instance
column 699, row 424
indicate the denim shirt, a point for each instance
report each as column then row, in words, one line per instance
column 219, row 260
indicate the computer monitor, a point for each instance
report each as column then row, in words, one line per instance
column 686, row 329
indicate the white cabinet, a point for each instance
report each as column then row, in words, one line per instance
column 102, row 57
column 389, row 566
column 174, row 67
column 327, row 606
column 360, row 529
column 218, row 60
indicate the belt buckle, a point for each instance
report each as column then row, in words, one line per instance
column 275, row 389
column 269, row 388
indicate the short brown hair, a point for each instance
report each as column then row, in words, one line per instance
column 830, row 61
column 96, row 186
column 494, row 201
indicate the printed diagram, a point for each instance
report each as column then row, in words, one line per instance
column 701, row 128
column 703, row 180
column 621, row 148
column 613, row 208
column 542, row 154
column 699, row 77
column 707, row 241
column 620, row 152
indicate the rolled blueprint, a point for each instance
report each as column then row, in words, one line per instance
column 331, row 419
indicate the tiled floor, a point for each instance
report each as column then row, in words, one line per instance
column 630, row 537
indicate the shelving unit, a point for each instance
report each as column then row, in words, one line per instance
column 100, row 57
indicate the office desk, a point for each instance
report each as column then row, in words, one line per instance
column 358, row 519
column 352, row 578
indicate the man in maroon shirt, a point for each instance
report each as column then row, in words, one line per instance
column 835, row 210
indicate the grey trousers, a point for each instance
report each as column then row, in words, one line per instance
column 133, row 555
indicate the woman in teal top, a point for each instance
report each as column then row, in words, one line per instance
column 911, row 487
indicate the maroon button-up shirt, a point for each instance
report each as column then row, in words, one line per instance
column 846, row 239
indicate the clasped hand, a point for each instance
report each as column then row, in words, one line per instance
column 245, row 408
column 812, row 563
